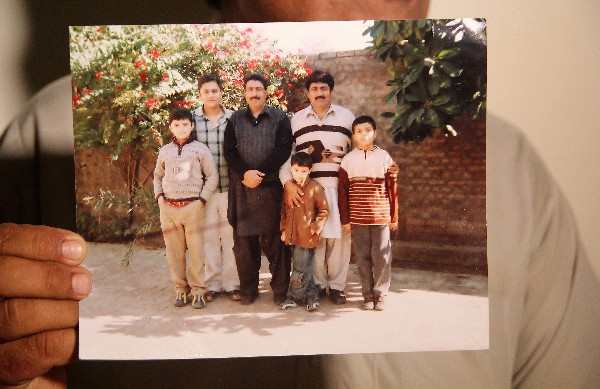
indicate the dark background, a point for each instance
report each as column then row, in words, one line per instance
column 48, row 54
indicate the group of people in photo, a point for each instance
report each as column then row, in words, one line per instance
column 233, row 185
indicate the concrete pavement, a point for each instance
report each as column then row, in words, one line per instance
column 130, row 315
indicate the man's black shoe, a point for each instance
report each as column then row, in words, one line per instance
column 337, row 296
column 322, row 292
column 247, row 300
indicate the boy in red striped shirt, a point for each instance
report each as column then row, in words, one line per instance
column 368, row 200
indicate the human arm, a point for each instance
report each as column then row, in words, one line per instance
column 284, row 171
column 391, row 188
column 253, row 178
column 393, row 170
column 211, row 174
column 159, row 173
column 293, row 192
column 322, row 210
column 283, row 218
column 40, row 284
column 344, row 195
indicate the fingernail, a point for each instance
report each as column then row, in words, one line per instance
column 81, row 284
column 72, row 249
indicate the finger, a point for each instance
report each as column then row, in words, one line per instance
column 23, row 317
column 33, row 356
column 55, row 378
column 30, row 278
column 42, row 243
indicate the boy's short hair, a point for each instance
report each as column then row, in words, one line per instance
column 301, row 159
column 205, row 78
column 181, row 113
column 256, row 77
column 364, row 119
column 319, row 76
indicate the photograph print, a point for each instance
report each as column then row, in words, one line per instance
column 281, row 188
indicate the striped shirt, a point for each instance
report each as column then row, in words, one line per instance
column 212, row 136
column 327, row 140
column 367, row 194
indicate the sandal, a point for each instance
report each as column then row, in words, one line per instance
column 234, row 295
column 210, row 295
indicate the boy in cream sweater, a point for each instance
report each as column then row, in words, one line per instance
column 184, row 178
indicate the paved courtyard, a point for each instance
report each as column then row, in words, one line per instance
column 130, row 315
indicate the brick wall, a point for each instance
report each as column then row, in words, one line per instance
column 441, row 183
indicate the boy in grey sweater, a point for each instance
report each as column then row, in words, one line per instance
column 184, row 178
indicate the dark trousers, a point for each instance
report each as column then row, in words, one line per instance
column 247, row 251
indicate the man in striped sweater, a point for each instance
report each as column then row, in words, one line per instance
column 368, row 200
column 323, row 131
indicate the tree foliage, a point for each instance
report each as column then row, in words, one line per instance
column 438, row 70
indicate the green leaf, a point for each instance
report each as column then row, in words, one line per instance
column 423, row 23
column 432, row 118
column 448, row 53
column 400, row 122
column 433, row 86
column 391, row 30
column 391, row 95
column 429, row 62
column 412, row 97
column 396, row 52
column 413, row 76
column 416, row 115
column 441, row 99
column 402, row 108
column 450, row 69
column 445, row 82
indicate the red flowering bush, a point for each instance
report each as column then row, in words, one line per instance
column 126, row 79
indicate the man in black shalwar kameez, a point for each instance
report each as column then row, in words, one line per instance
column 257, row 141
